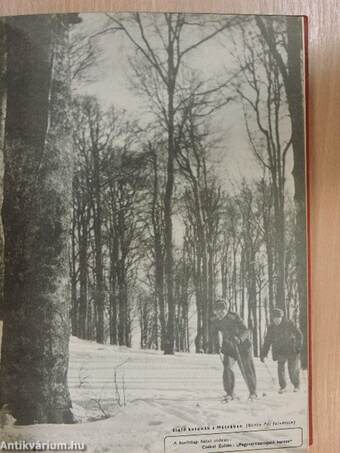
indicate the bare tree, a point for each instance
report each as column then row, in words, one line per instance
column 288, row 57
column 154, row 152
column 202, row 212
column 264, row 110
column 80, row 239
column 265, row 208
column 92, row 138
column 128, row 230
column 158, row 39
column 251, row 237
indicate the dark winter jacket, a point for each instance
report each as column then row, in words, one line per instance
column 232, row 326
column 285, row 339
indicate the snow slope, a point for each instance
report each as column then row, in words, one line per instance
column 126, row 401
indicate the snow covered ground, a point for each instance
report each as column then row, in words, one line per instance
column 127, row 401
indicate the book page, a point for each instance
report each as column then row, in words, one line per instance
column 154, row 238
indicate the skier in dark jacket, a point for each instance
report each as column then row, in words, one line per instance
column 234, row 345
column 285, row 339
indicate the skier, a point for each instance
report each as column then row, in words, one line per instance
column 286, row 342
column 234, row 345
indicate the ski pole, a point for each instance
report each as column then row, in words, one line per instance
column 270, row 373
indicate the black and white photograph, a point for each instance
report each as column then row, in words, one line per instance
column 153, row 268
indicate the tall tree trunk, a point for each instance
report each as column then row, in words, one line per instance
column 155, row 325
column 234, row 280
column 128, row 323
column 280, row 263
column 159, row 255
column 270, row 271
column 37, row 220
column 254, row 307
column 204, row 291
column 73, row 274
column 295, row 102
column 280, row 250
column 242, row 282
column 99, row 295
column 199, row 300
column 292, row 79
column 159, row 277
column 211, row 297
column 224, row 279
column 89, row 321
column 113, row 289
column 202, row 266
column 83, row 275
column 169, row 188
column 122, row 303
column 260, row 308
column 170, row 333
column 252, row 302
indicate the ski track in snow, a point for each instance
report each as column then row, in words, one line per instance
column 161, row 392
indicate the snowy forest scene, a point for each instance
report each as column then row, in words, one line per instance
column 153, row 240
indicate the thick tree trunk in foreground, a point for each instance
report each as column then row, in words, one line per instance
column 36, row 216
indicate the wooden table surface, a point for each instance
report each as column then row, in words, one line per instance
column 324, row 152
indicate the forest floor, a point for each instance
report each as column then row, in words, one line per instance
column 127, row 401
